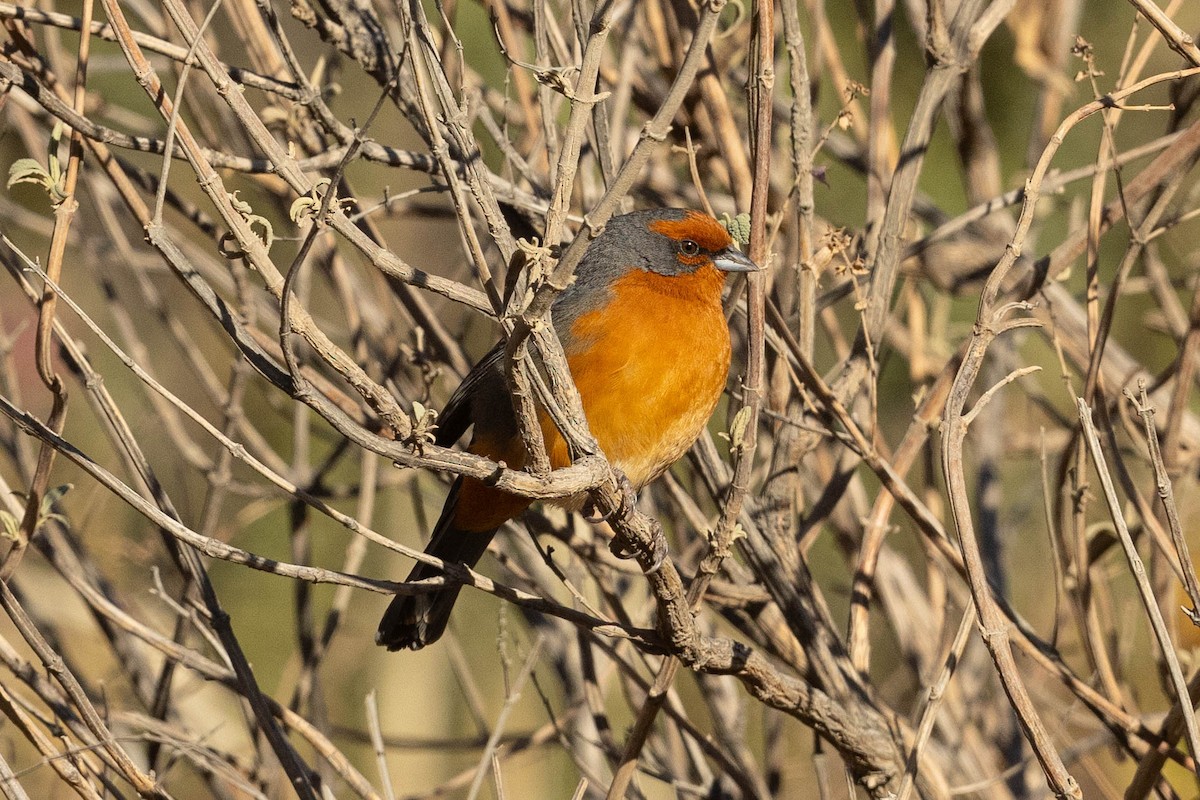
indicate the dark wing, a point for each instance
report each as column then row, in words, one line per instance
column 459, row 413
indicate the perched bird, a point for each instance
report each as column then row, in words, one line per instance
column 648, row 348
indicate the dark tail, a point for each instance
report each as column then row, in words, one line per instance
column 413, row 621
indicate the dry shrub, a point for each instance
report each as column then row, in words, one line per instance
column 909, row 552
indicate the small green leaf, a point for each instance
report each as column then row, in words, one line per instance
column 51, row 178
column 737, row 428
column 52, row 496
column 27, row 170
column 738, row 227
column 10, row 527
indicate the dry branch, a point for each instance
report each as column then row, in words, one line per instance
column 278, row 234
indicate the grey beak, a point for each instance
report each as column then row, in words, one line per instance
column 734, row 261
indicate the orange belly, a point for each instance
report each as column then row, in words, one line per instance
column 650, row 369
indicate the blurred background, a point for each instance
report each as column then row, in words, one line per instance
column 899, row 147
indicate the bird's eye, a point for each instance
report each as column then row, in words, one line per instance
column 689, row 248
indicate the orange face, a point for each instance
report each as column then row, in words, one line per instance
column 698, row 236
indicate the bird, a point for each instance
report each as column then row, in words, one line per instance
column 647, row 343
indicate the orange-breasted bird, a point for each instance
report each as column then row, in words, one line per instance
column 648, row 348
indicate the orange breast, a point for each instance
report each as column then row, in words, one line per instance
column 650, row 368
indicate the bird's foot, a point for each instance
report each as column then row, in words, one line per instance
column 655, row 551
column 595, row 516
column 629, row 500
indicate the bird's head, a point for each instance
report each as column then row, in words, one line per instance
column 672, row 241
column 662, row 243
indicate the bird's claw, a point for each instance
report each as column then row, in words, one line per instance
column 656, row 552
column 629, row 500
column 593, row 515
column 620, row 546
column 629, row 496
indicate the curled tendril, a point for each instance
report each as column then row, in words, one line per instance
column 738, row 18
